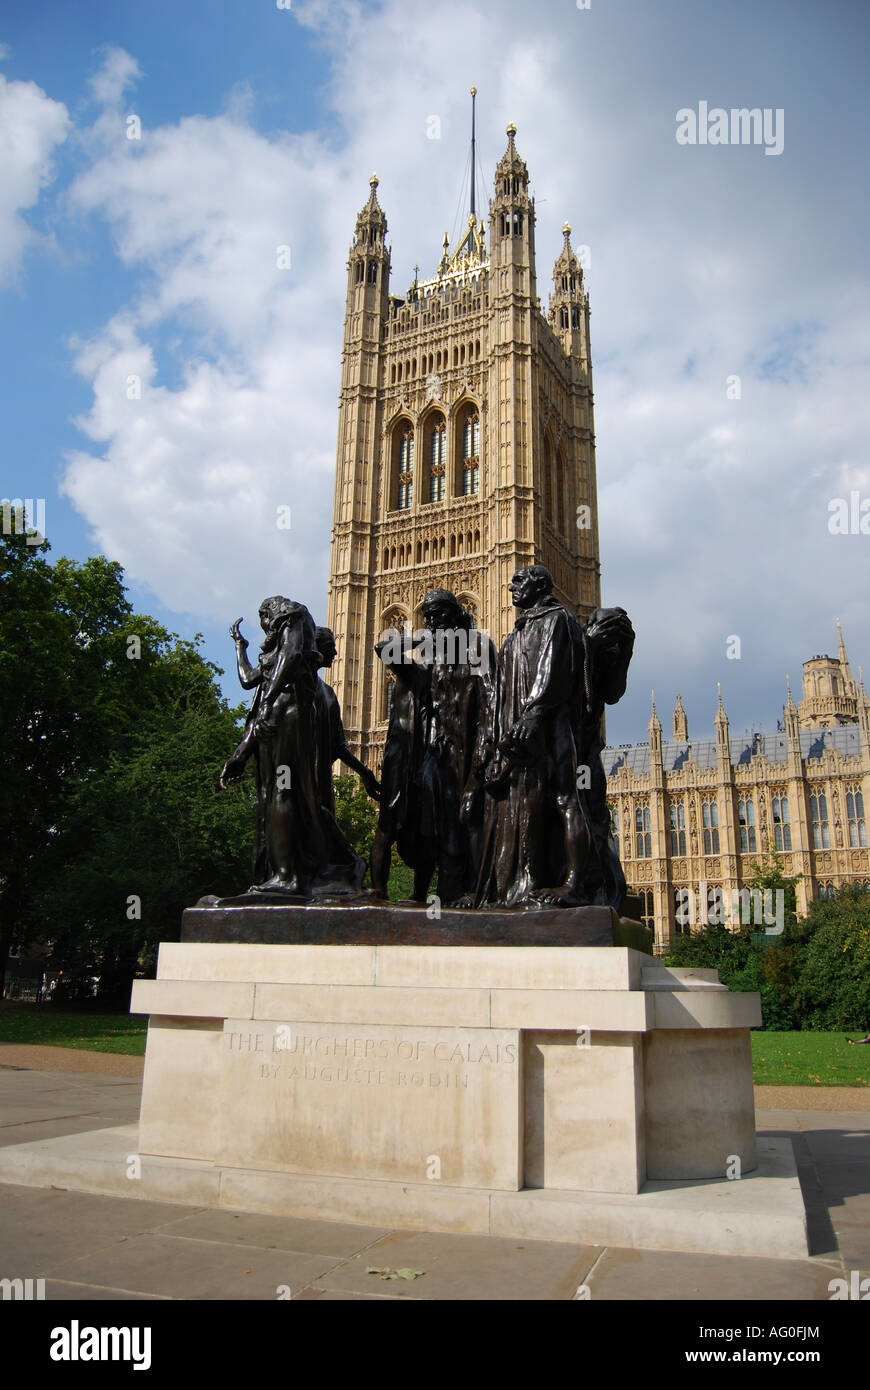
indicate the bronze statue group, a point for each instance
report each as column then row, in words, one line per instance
column 491, row 775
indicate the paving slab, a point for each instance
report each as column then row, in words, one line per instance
column 184, row 1268
column 332, row 1238
column 466, row 1268
column 44, row 1228
column 65, row 1291
column 665, row 1276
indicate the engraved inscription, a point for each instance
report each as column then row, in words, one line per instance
column 425, row 1064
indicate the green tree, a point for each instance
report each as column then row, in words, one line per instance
column 54, row 623
column 833, row 978
column 114, row 731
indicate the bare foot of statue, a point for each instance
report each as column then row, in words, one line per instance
column 563, row 896
column 276, row 884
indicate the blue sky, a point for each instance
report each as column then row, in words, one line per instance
column 260, row 126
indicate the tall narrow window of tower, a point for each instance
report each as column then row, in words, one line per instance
column 819, row 816
column 373, row 272
column 781, row 827
column 575, row 317
column 471, row 456
column 643, row 834
column 437, row 460
column 548, row 480
column 678, row 828
column 710, row 822
column 746, row 818
column 561, row 482
column 406, row 469
column 855, row 816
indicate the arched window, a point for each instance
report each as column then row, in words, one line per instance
column 819, row 817
column 373, row 273
column 781, row 826
column 548, row 481
column 746, row 821
column 405, row 465
column 560, row 482
column 713, row 909
column 647, row 908
column 683, row 911
column 678, row 828
column 855, row 816
column 437, row 454
column 469, row 439
column 642, row 834
column 710, row 822
column 575, row 317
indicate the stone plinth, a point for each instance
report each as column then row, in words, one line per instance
column 544, row 1091
column 496, row 1068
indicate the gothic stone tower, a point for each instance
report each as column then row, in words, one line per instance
column 465, row 439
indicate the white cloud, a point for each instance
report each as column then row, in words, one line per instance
column 31, row 127
column 117, row 71
column 713, row 511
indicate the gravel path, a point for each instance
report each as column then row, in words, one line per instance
column 39, row 1057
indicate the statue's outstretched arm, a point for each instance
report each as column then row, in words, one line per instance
column 249, row 675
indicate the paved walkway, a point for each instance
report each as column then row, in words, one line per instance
column 95, row 1247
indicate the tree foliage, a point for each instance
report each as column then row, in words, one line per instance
column 114, row 730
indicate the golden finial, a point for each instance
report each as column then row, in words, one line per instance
column 566, row 229
column 474, row 91
column 511, row 129
column 374, row 180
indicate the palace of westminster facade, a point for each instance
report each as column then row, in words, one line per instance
column 465, row 450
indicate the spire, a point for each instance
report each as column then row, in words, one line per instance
column 681, row 724
column 848, row 678
column 863, row 707
column 512, row 227
column 567, row 308
column 371, row 224
column 791, row 721
column 655, row 733
column 654, row 721
column 368, row 266
column 472, row 210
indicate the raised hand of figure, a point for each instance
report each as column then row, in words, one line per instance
column 609, row 624
column 236, row 634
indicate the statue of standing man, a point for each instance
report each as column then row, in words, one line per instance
column 542, row 841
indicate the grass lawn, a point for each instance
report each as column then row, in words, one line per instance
column 809, row 1059
column 43, row 1023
